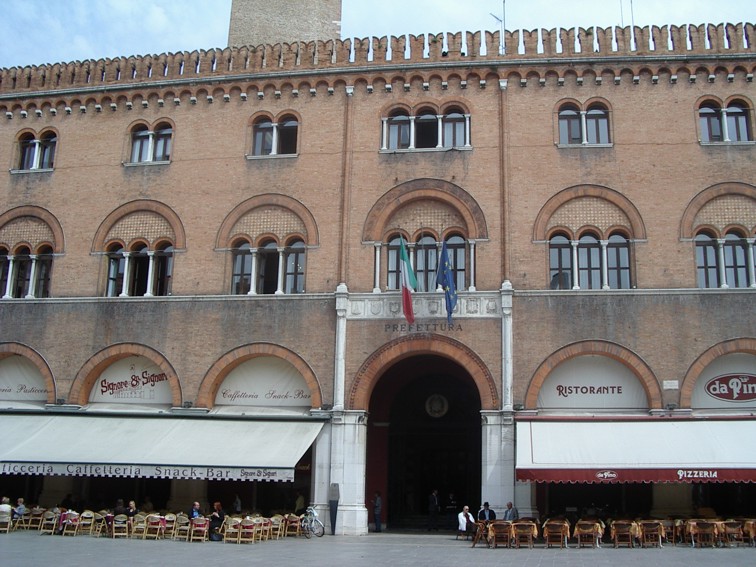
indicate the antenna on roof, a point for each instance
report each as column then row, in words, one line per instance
column 502, row 22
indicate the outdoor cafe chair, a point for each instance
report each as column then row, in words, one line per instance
column 120, row 526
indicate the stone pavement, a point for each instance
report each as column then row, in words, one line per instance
column 30, row 549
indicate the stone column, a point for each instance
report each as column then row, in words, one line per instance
column 348, row 461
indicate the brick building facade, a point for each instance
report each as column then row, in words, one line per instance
column 225, row 226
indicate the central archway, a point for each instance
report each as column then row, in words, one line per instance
column 424, row 434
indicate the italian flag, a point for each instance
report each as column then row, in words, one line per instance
column 409, row 282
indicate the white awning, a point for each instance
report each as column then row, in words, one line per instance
column 636, row 451
column 152, row 447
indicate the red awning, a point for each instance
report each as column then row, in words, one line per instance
column 601, row 451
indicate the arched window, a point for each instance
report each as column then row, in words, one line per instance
column 151, row 146
column 242, row 268
column 597, row 125
column 43, row 272
column 426, row 263
column 162, row 143
column 706, row 261
column 163, row 270
column 267, row 277
column 426, row 129
column 4, row 270
column 37, row 154
column 21, row 272
column 140, row 144
column 454, row 129
column 139, row 271
column 28, row 146
column 735, row 250
column 560, row 262
column 262, row 137
column 47, row 143
column 618, row 262
column 738, row 123
column 710, row 121
column 116, row 270
column 392, row 281
column 456, row 247
column 570, row 131
column 295, row 267
column 589, row 262
column 287, row 135
column 399, row 131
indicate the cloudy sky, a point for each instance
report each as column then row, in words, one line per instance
column 49, row 31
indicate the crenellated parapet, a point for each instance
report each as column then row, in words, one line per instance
column 520, row 48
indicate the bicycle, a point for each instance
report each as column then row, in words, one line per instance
column 310, row 524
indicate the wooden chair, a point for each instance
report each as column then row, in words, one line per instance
column 670, row 532
column 182, row 527
column 138, row 526
column 523, row 533
column 49, row 522
column 481, row 533
column 199, row 529
column 170, row 524
column 277, row 525
column 706, row 534
column 247, row 531
column 120, row 526
column 587, row 534
column 651, row 534
column 22, row 521
column 500, row 534
column 6, row 522
column 622, row 534
column 555, row 533
column 35, row 519
column 292, row 524
column 232, row 530
column 71, row 524
column 98, row 524
column 153, row 527
column 86, row 522
column 733, row 533
column 264, row 528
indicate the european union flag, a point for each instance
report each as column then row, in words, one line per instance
column 445, row 279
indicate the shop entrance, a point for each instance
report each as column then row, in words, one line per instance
column 424, row 433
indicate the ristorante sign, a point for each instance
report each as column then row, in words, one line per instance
column 174, row 472
column 688, row 475
column 732, row 387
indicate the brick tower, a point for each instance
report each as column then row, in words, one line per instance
column 255, row 22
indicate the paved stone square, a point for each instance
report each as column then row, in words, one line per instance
column 22, row 549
